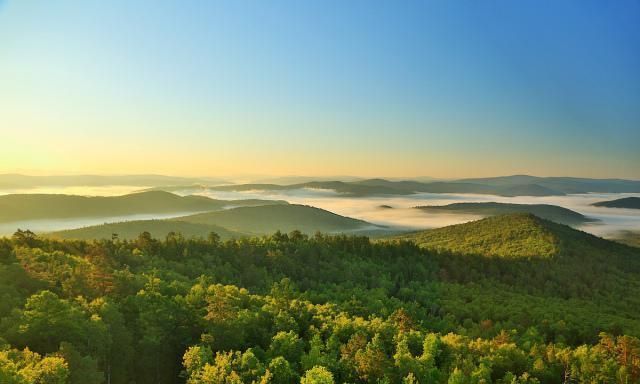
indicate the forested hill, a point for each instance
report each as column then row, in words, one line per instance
column 626, row 202
column 19, row 207
column 546, row 211
column 271, row 218
column 290, row 308
column 519, row 235
column 130, row 230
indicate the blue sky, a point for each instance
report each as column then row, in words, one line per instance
column 371, row 88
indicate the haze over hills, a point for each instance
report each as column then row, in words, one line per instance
column 518, row 185
column 625, row 202
column 18, row 207
column 232, row 223
column 17, row 181
column 563, row 184
column 545, row 211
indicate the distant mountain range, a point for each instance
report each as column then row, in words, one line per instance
column 518, row 185
column 545, row 211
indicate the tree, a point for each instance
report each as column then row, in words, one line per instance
column 317, row 375
column 287, row 345
column 281, row 371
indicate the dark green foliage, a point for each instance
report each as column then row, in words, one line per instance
column 626, row 202
column 545, row 211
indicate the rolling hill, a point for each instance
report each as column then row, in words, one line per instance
column 18, row 207
column 520, row 235
column 545, row 211
column 128, row 230
column 627, row 202
column 269, row 219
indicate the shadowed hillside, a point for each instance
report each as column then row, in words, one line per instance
column 51, row 206
column 545, row 211
column 627, row 202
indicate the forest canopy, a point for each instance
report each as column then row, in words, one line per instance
column 316, row 309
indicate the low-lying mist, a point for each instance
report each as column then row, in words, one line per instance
column 397, row 212
column 403, row 215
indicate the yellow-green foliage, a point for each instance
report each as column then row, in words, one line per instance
column 516, row 235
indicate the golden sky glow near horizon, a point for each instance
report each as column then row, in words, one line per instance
column 229, row 89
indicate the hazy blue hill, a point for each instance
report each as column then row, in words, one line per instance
column 517, row 185
column 345, row 188
column 562, row 184
column 131, row 229
column 627, row 202
column 286, row 218
column 503, row 181
column 26, row 181
column 19, row 207
column 522, row 235
column 529, row 190
column 546, row 211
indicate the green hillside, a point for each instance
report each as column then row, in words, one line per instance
column 545, row 211
column 128, row 230
column 518, row 235
column 627, row 202
column 19, row 207
column 285, row 218
column 515, row 235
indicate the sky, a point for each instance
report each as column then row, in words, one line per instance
column 364, row 88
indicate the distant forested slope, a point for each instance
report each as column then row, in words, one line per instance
column 545, row 211
column 627, row 202
column 286, row 218
column 17, row 207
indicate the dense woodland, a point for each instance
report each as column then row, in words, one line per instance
column 292, row 308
